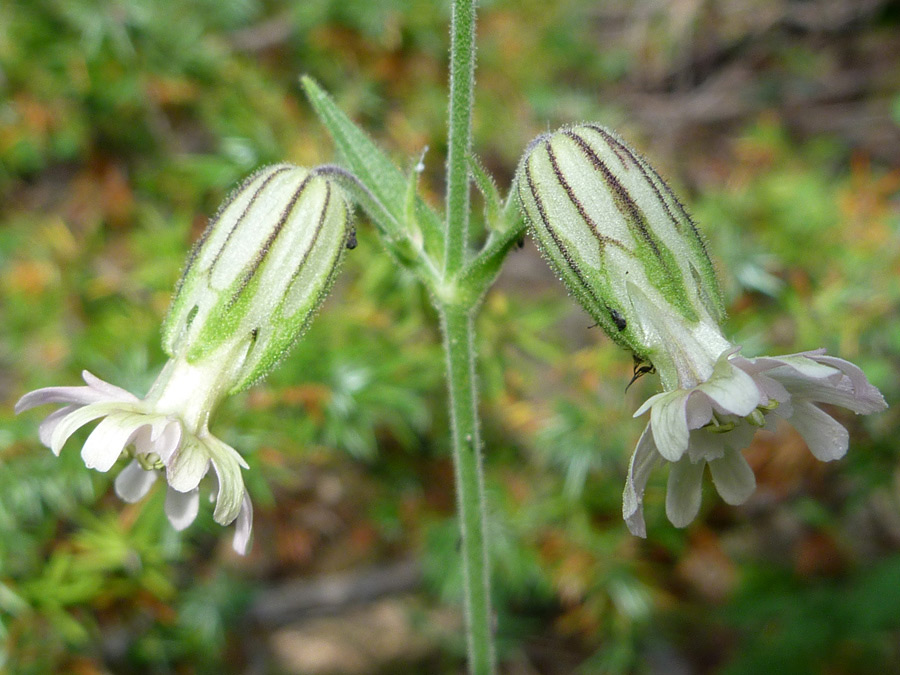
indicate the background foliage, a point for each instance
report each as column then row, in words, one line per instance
column 122, row 126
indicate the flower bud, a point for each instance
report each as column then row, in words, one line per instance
column 259, row 272
column 620, row 240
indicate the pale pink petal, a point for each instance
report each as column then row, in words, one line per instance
column 168, row 440
column 698, row 411
column 76, row 395
column 110, row 391
column 852, row 391
column 243, row 527
column 826, row 438
column 182, row 507
column 643, row 460
column 684, row 492
column 733, row 477
column 133, row 483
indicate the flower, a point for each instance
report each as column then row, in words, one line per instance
column 627, row 249
column 164, row 433
column 713, row 421
column 250, row 288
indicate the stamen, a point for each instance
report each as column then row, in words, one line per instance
column 149, row 460
column 717, row 426
column 757, row 418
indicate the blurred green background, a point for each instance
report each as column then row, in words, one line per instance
column 122, row 126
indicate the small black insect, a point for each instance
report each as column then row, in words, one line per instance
column 618, row 319
column 521, row 242
column 641, row 368
column 351, row 240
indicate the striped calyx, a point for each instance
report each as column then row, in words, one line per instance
column 624, row 245
column 259, row 272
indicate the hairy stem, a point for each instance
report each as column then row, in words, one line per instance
column 462, row 77
column 456, row 323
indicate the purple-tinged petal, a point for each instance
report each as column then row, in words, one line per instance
column 698, row 411
column 733, row 477
column 643, row 460
column 110, row 391
column 133, row 483
column 76, row 395
column 105, row 443
column 826, row 438
column 668, row 421
column 168, row 440
column 867, row 398
column 683, row 491
column 51, row 421
column 243, row 527
column 187, row 465
column 182, row 507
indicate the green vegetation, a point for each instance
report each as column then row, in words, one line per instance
column 123, row 126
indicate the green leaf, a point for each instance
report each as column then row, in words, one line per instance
column 488, row 189
column 386, row 183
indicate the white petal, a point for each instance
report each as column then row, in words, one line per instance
column 187, row 465
column 109, row 391
column 668, row 420
column 105, row 443
column 646, row 405
column 683, row 492
column 731, row 390
column 227, row 463
column 133, row 483
column 643, row 460
column 77, row 419
column 706, row 445
column 733, row 477
column 243, row 527
column 826, row 438
column 806, row 366
column 51, row 421
column 182, row 507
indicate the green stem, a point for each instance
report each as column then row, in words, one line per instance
column 457, row 312
column 459, row 348
column 462, row 77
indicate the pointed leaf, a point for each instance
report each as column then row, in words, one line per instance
column 375, row 171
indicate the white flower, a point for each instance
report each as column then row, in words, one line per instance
column 166, row 432
column 250, row 288
column 627, row 249
column 714, row 420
